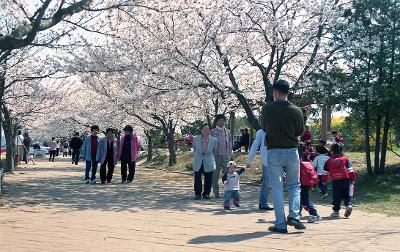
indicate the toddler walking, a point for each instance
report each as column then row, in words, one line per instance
column 231, row 180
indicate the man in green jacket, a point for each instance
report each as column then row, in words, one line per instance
column 284, row 123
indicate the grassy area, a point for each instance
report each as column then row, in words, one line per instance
column 373, row 194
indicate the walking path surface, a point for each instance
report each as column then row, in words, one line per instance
column 48, row 208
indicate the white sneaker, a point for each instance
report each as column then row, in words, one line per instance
column 324, row 196
column 313, row 218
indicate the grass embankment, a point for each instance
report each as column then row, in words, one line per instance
column 373, row 194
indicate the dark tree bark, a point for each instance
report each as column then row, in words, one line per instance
column 386, row 127
column 9, row 135
column 378, row 127
column 149, row 145
column 170, row 132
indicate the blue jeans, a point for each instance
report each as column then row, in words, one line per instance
column 91, row 165
column 228, row 195
column 264, row 188
column 279, row 161
column 322, row 187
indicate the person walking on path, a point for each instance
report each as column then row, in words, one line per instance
column 224, row 151
column 52, row 149
column 90, row 152
column 128, row 149
column 108, row 156
column 27, row 144
column 19, row 145
column 75, row 145
column 259, row 144
column 319, row 164
column 284, row 123
column 204, row 147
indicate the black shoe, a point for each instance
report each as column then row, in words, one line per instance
column 277, row 230
column 216, row 195
column 266, row 208
column 197, row 197
column 227, row 208
column 103, row 182
column 237, row 205
column 108, row 181
column 296, row 223
column 206, row 196
column 129, row 181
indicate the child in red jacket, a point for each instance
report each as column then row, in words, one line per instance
column 339, row 169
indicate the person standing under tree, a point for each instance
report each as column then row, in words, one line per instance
column 108, row 156
column 224, row 151
column 52, row 149
column 19, row 145
column 128, row 149
column 204, row 147
column 90, row 152
column 284, row 123
column 27, row 144
column 75, row 145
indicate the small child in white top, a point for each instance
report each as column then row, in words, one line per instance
column 319, row 163
column 231, row 185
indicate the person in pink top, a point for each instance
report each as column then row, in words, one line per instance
column 53, row 149
column 224, row 151
column 128, row 150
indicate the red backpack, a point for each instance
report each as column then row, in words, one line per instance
column 308, row 174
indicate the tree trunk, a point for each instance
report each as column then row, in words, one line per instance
column 9, row 135
column 386, row 126
column 377, row 143
column 149, row 145
column 324, row 125
column 171, row 144
column 367, row 141
column 232, row 123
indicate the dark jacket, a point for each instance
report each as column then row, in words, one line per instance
column 76, row 143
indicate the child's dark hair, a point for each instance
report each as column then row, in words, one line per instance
column 220, row 116
column 321, row 150
column 53, row 138
column 337, row 148
column 94, row 127
column 109, row 130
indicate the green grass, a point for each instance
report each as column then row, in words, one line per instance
column 372, row 194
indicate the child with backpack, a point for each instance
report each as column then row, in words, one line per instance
column 231, row 180
column 339, row 169
column 308, row 179
column 319, row 163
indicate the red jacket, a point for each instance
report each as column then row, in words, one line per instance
column 338, row 168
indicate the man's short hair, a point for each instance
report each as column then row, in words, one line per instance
column 128, row 128
column 94, row 127
column 321, row 150
column 76, row 134
column 220, row 116
column 281, row 86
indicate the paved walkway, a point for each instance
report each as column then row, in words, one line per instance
column 47, row 208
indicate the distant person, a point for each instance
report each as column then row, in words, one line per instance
column 322, row 144
column 246, row 140
column 224, row 151
column 190, row 140
column 259, row 144
column 58, row 148
column 284, row 123
column 52, row 149
column 90, row 152
column 27, row 145
column 19, row 145
column 108, row 156
column 128, row 150
column 204, row 147
column 65, row 148
column 231, row 180
column 319, row 164
column 307, row 136
column 238, row 145
column 308, row 153
column 339, row 169
column 75, row 145
column 337, row 138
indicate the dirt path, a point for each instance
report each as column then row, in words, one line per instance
column 48, row 208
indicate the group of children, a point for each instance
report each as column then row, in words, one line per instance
column 315, row 169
